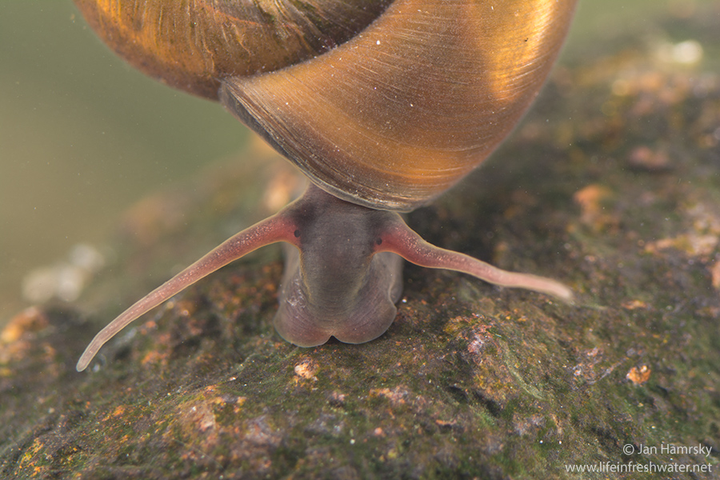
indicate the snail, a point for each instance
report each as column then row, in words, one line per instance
column 383, row 104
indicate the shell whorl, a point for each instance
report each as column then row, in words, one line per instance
column 192, row 44
column 408, row 107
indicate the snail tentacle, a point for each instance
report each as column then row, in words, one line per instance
column 402, row 240
column 271, row 230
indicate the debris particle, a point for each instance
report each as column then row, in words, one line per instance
column 644, row 158
column 639, row 375
column 306, row 369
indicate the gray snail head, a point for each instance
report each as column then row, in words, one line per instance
column 384, row 105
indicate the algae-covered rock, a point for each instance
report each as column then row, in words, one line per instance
column 612, row 185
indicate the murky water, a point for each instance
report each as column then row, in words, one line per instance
column 83, row 136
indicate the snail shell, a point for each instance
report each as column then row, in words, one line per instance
column 383, row 104
column 416, row 94
column 192, row 45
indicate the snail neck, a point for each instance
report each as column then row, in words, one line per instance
column 336, row 283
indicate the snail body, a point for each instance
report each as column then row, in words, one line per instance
column 402, row 104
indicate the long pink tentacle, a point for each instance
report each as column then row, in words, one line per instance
column 400, row 239
column 271, row 230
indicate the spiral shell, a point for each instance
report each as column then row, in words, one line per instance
column 408, row 98
column 192, row 44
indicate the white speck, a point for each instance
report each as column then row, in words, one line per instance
column 688, row 52
column 86, row 257
column 377, row 43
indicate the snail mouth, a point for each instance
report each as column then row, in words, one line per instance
column 309, row 316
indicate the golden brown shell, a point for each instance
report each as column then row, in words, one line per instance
column 391, row 117
column 404, row 110
column 191, row 44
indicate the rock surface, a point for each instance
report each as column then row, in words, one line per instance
column 611, row 184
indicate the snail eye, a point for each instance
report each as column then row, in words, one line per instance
column 297, row 233
column 378, row 241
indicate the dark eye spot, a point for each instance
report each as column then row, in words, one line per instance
column 297, row 233
column 378, row 241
